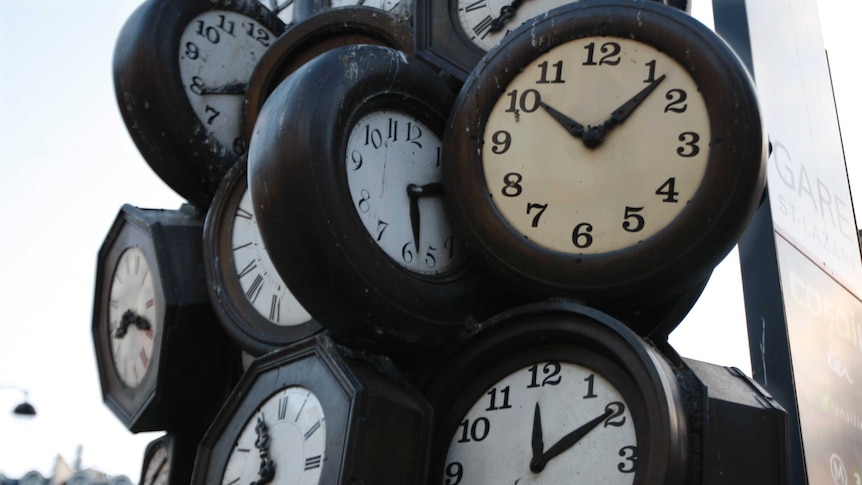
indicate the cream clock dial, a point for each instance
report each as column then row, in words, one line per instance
column 260, row 282
column 218, row 50
column 132, row 316
column 282, row 444
column 546, row 423
column 625, row 159
column 393, row 172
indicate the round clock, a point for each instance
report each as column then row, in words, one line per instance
column 252, row 302
column 549, row 392
column 313, row 414
column 315, row 35
column 609, row 151
column 453, row 35
column 377, row 261
column 169, row 458
column 163, row 361
column 181, row 71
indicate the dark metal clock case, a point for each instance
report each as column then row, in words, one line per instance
column 314, row 35
column 152, row 100
column 378, row 426
column 442, row 44
column 298, row 178
column 251, row 330
column 678, row 258
column 568, row 332
column 194, row 364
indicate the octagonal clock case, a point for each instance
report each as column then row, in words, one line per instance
column 163, row 360
column 376, row 262
column 181, row 71
column 317, row 413
column 609, row 151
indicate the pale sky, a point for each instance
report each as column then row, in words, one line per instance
column 68, row 164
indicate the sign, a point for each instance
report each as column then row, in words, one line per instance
column 824, row 323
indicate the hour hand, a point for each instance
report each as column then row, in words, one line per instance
column 573, row 127
column 537, row 443
column 236, row 88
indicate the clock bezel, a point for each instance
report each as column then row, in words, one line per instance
column 570, row 332
column 254, row 332
column 315, row 35
column 677, row 257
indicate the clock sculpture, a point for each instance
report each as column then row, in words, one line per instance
column 163, row 360
column 181, row 71
column 610, row 151
column 359, row 170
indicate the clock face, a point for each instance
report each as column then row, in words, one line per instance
column 282, row 443
column 158, row 468
column 218, row 51
column 624, row 138
column 486, row 22
column 545, row 423
column 261, row 285
column 393, row 172
column 132, row 316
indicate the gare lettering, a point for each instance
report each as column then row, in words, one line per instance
column 811, row 194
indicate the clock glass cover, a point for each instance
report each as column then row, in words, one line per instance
column 132, row 316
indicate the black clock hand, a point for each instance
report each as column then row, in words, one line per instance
column 538, row 444
column 620, row 114
column 236, row 88
column 131, row 318
column 507, row 12
column 573, row 127
column 159, row 468
column 267, row 467
column 414, row 192
column 566, row 442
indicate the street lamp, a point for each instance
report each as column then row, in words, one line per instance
column 25, row 408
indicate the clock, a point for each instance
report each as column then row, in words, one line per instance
column 401, row 9
column 376, row 262
column 550, row 391
column 181, row 71
column 250, row 299
column 453, row 35
column 314, row 413
column 314, row 35
column 169, row 458
column 163, row 360
column 610, row 151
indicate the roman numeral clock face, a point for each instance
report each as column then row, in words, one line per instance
column 258, row 278
column 282, row 443
column 132, row 316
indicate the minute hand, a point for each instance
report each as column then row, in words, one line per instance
column 626, row 109
column 566, row 442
